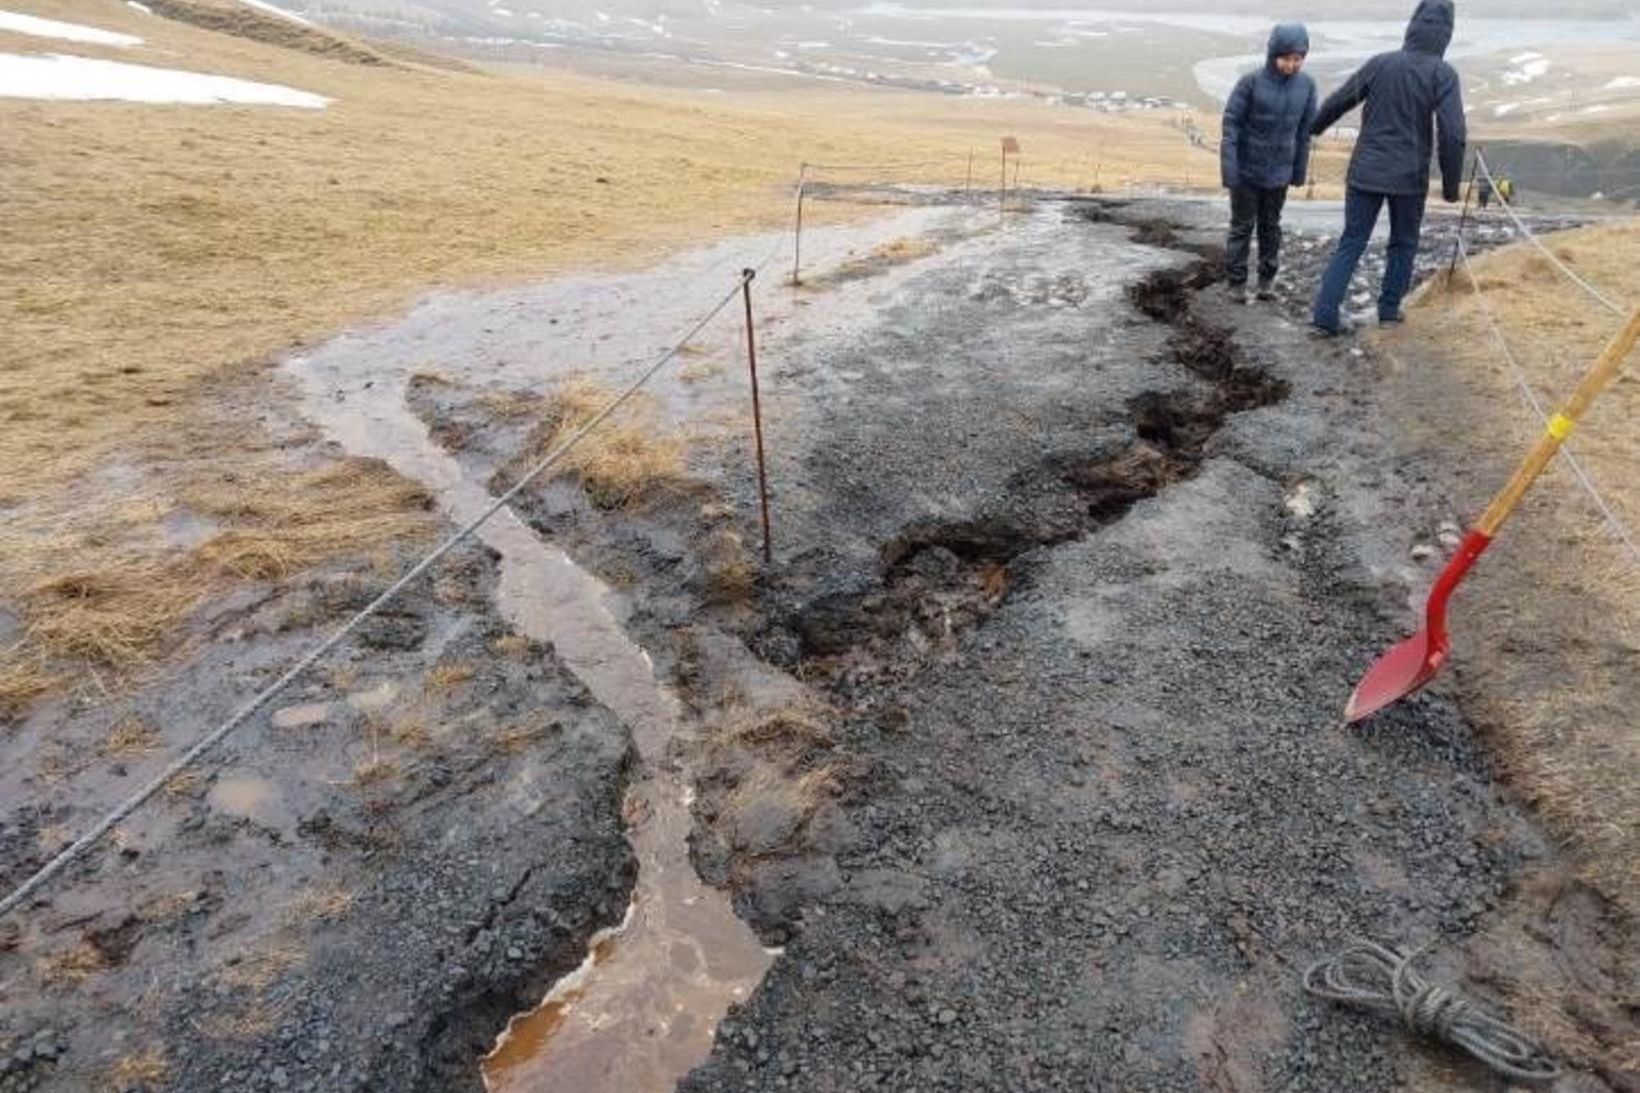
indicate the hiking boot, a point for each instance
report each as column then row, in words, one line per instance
column 1238, row 292
column 1393, row 318
column 1345, row 328
column 1266, row 290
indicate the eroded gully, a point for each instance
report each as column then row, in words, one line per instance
column 641, row 1011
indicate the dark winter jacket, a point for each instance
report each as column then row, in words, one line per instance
column 1267, row 120
column 1401, row 92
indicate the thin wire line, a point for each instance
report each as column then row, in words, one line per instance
column 1608, row 302
column 85, row 842
column 1618, row 528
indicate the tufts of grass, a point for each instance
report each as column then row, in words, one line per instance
column 138, row 1070
column 513, row 647
column 783, row 730
column 623, row 461
column 447, row 677
column 131, row 736
column 517, row 737
column 71, row 966
column 320, row 903
column 113, row 616
column 291, row 525
column 23, row 678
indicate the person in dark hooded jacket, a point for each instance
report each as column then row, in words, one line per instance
column 1265, row 149
column 1411, row 103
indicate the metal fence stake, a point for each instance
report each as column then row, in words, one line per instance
column 757, row 415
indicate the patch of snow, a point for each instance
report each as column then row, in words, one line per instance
column 1527, row 67
column 1597, row 108
column 55, row 76
column 1622, row 83
column 68, row 32
column 144, row 8
column 813, row 45
column 263, row 5
column 503, row 12
column 1505, row 108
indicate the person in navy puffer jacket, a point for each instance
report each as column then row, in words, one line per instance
column 1411, row 109
column 1265, row 149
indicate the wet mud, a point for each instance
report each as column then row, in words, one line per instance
column 355, row 894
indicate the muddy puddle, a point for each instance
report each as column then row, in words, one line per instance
column 642, row 1009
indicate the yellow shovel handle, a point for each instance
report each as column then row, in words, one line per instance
column 1599, row 376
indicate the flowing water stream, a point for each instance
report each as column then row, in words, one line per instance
column 642, row 1009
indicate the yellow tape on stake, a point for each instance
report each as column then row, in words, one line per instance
column 1561, row 426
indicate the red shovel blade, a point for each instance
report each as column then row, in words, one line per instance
column 1399, row 672
column 1415, row 661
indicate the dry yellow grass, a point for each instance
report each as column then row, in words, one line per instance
column 1551, row 616
column 788, row 729
column 132, row 736
column 113, row 615
column 23, row 678
column 621, row 462
column 292, row 523
column 320, row 903
column 138, row 1070
column 71, row 966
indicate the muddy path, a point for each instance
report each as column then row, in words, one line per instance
column 1019, row 768
column 1027, row 748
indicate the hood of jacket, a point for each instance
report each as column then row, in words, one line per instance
column 1284, row 39
column 1430, row 30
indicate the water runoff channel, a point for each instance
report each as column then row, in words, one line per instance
column 642, row 1009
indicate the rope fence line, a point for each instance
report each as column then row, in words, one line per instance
column 80, row 846
column 1619, row 530
column 1520, row 225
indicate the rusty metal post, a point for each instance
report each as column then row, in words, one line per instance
column 797, row 236
column 757, row 413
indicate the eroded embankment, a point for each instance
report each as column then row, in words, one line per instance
column 941, row 578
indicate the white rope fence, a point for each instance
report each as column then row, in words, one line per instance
column 1520, row 225
column 1619, row 530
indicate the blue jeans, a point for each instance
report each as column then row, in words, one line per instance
column 1406, row 216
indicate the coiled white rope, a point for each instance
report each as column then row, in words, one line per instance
column 1374, row 976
